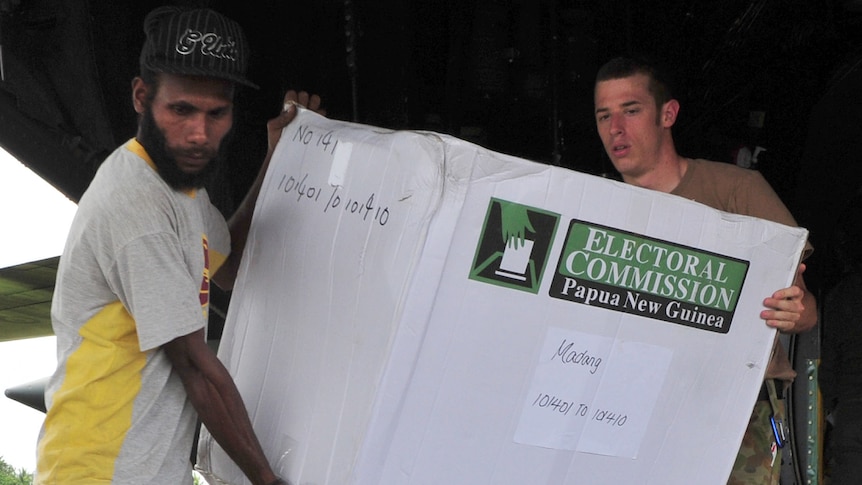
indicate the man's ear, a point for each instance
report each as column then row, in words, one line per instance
column 140, row 90
column 669, row 112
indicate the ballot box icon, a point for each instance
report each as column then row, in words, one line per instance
column 516, row 259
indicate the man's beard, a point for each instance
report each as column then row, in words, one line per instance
column 153, row 140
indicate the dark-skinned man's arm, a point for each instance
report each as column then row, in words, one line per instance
column 219, row 405
column 207, row 382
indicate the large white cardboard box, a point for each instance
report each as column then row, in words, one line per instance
column 414, row 309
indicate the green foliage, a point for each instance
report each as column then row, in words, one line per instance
column 10, row 476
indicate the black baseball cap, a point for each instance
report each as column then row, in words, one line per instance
column 195, row 42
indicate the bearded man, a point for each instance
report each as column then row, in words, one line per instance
column 131, row 299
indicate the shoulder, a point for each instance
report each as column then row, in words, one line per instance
column 723, row 171
column 737, row 182
column 127, row 198
column 123, row 176
column 730, row 178
column 733, row 189
column 720, row 185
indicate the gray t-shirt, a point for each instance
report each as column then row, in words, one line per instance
column 134, row 275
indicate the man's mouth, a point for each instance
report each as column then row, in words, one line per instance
column 193, row 160
column 619, row 149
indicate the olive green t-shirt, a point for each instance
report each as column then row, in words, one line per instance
column 740, row 191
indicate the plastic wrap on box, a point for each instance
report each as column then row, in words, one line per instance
column 415, row 309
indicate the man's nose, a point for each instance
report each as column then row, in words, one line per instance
column 616, row 125
column 197, row 129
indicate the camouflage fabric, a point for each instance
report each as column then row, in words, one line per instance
column 759, row 459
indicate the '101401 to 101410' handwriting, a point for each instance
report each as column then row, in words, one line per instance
column 555, row 404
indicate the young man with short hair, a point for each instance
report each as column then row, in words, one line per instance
column 635, row 112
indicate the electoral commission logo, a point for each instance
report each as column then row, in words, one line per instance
column 609, row 268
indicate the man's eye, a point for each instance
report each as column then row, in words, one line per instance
column 632, row 111
column 182, row 110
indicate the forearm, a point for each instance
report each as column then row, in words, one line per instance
column 808, row 314
column 239, row 225
column 240, row 222
column 793, row 309
column 215, row 397
column 808, row 317
column 222, row 411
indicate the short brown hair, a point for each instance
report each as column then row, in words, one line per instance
column 621, row 67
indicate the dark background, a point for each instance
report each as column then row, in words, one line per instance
column 513, row 75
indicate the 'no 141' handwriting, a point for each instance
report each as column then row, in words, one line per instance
column 325, row 140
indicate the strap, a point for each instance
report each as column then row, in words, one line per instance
column 777, row 411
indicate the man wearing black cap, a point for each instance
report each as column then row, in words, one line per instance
column 131, row 299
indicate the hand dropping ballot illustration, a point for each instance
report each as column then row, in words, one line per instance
column 513, row 246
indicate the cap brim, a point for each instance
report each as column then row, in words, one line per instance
column 190, row 71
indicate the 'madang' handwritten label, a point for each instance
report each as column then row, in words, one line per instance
column 569, row 353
